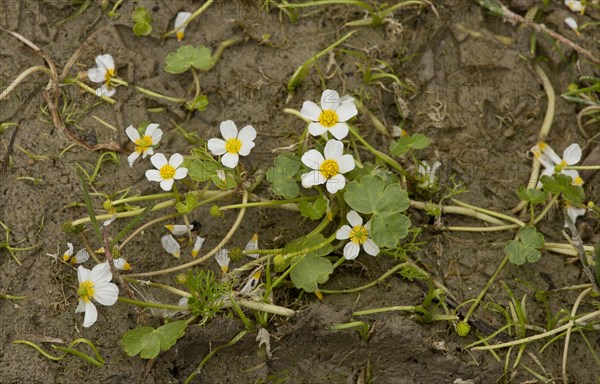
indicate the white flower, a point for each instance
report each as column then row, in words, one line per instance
column 250, row 284
column 574, row 213
column 103, row 73
column 171, row 245
column 143, row 144
column 329, row 169
column 179, row 20
column 234, row 145
column 427, row 174
column 575, row 6
column 178, row 229
column 222, row 258
column 167, row 171
column 81, row 257
column 358, row 235
column 331, row 116
column 197, row 245
column 95, row 284
column 68, row 253
column 572, row 24
column 121, row 264
column 252, row 245
column 554, row 164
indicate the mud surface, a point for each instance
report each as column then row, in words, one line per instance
column 476, row 97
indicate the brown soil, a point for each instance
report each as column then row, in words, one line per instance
column 477, row 99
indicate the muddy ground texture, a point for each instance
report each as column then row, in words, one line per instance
column 476, row 97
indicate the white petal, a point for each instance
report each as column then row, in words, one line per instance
column 351, row 250
column 346, row 111
column 171, row 245
column 121, row 264
column 222, row 258
column 166, row 185
column 83, row 274
column 156, row 135
column 230, row 160
column 176, row 160
column 81, row 257
column 247, row 134
column 572, row 154
column 132, row 133
column 148, row 151
column 343, row 233
column 108, row 222
column 80, row 306
column 106, row 294
column 228, row 129
column 246, row 148
column 312, row 159
column 571, row 23
column 574, row 213
column 97, row 75
column 181, row 18
column 178, row 229
column 312, row 178
column 151, row 128
column 333, row 150
column 133, row 157
column 252, row 245
column 180, row 173
column 105, row 91
column 330, row 99
column 370, row 247
column 216, row 146
column 346, row 99
column 101, row 274
column 158, row 160
column 197, row 245
column 105, row 61
column 91, row 315
column 311, row 111
column 339, row 131
column 354, row 219
column 335, row 183
column 316, row 129
column 549, row 152
column 346, row 163
column 69, row 252
column 153, row 175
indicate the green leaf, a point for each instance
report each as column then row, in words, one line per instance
column 148, row 342
column 529, row 235
column 311, row 271
column 559, row 183
column 143, row 22
column 191, row 202
column 313, row 210
column 388, row 228
column 199, row 103
column 534, row 196
column 229, row 182
column 200, row 170
column 282, row 176
column 371, row 195
column 404, row 144
column 187, row 57
column 515, row 251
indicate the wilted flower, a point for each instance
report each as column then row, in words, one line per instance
column 181, row 18
column 143, row 144
column 358, row 235
column 81, row 257
column 331, row 116
column 197, row 245
column 95, row 284
column 427, row 174
column 575, row 6
column 235, row 144
column 178, row 229
column 251, row 284
column 103, row 73
column 328, row 169
column 171, row 245
column 167, row 171
column 121, row 264
column 572, row 24
column 222, row 258
column 252, row 245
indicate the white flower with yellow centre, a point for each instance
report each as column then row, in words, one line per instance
column 143, row 144
column 554, row 164
column 180, row 19
column 328, row 169
column 95, row 284
column 103, row 73
column 235, row 144
column 358, row 234
column 575, row 6
column 81, row 257
column 166, row 172
column 222, row 258
column 331, row 116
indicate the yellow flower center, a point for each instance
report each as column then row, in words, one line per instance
column 143, row 143
column 359, row 234
column 167, row 171
column 110, row 73
column 233, row 145
column 86, row 291
column 328, row 118
column 578, row 181
column 329, row 168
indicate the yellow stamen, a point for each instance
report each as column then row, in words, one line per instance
column 180, row 35
column 86, row 291
column 328, row 118
column 233, row 145
column 66, row 257
column 329, row 168
column 167, row 171
column 359, row 234
column 578, row 181
column 143, row 143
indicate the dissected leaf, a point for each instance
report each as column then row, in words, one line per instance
column 187, row 57
column 527, row 248
column 200, row 170
column 282, row 176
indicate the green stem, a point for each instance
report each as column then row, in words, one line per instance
column 409, row 308
column 583, row 167
column 268, row 203
column 373, row 283
column 93, row 92
column 491, row 213
column 382, row 156
column 545, row 210
column 485, row 289
column 147, row 304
